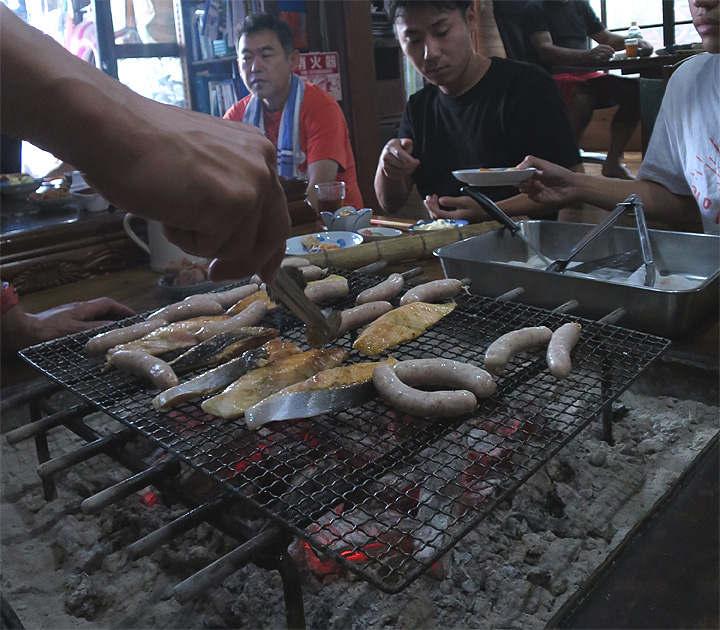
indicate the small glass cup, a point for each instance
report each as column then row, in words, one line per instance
column 631, row 47
column 330, row 196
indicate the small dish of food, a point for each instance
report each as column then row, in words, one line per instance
column 185, row 277
column 378, row 233
column 321, row 242
column 508, row 176
column 437, row 224
column 51, row 197
column 19, row 184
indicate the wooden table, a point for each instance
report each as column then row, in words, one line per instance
column 650, row 67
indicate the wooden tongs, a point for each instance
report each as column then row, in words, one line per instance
column 288, row 289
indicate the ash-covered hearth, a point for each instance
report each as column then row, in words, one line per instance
column 63, row 568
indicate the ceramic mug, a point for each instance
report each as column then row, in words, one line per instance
column 160, row 249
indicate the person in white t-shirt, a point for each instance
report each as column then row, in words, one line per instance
column 680, row 174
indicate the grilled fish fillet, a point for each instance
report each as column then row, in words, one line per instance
column 263, row 382
column 214, row 380
column 240, row 306
column 399, row 325
column 223, row 347
column 174, row 336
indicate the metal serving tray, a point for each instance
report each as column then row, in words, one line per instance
column 658, row 311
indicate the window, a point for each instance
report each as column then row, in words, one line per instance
column 617, row 16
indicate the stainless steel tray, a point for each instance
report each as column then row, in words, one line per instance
column 658, row 311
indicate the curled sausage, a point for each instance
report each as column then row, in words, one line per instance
column 425, row 372
column 385, row 290
column 231, row 296
column 433, row 291
column 145, row 365
column 357, row 316
column 561, row 344
column 101, row 343
column 249, row 316
column 332, row 287
column 194, row 306
column 504, row 348
column 417, row 402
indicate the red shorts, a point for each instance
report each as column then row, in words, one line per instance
column 569, row 82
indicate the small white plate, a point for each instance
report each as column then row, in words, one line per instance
column 494, row 176
column 294, row 246
column 378, row 233
column 437, row 224
column 181, row 292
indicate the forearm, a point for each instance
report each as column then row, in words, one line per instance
column 51, row 96
column 658, row 202
column 558, row 56
column 522, row 205
column 319, row 172
column 392, row 193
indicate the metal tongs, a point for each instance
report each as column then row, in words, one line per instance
column 633, row 203
column 287, row 289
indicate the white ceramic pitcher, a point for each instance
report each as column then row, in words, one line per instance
column 160, row 249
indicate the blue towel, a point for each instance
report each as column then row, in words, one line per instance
column 289, row 155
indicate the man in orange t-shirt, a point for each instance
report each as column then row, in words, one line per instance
column 304, row 123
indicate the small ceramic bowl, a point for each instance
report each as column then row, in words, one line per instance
column 347, row 219
column 20, row 190
column 370, row 234
column 88, row 199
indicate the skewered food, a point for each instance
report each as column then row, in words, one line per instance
column 223, row 347
column 399, row 325
column 508, row 345
column 385, row 290
column 100, row 344
column 145, row 365
column 433, row 291
column 334, row 286
column 220, row 377
column 562, row 342
column 255, row 297
column 432, row 372
column 417, row 402
column 332, row 378
column 261, row 383
column 353, row 318
column 175, row 336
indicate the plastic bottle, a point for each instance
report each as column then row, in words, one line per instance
column 631, row 40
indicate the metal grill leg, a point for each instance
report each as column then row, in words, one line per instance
column 292, row 588
column 43, row 452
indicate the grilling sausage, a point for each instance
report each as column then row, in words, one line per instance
column 145, row 365
column 231, row 296
column 504, row 348
column 249, row 316
column 333, row 286
column 357, row 316
column 194, row 306
column 417, row 402
column 101, row 343
column 561, row 344
column 313, row 272
column 433, row 291
column 295, row 261
column 386, row 290
column 428, row 372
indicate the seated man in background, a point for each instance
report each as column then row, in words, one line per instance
column 304, row 122
column 679, row 177
column 558, row 32
column 474, row 112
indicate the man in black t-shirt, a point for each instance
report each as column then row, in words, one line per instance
column 557, row 33
column 474, row 112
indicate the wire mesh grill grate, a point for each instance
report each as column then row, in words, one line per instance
column 383, row 493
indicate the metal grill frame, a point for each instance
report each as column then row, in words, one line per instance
column 370, row 478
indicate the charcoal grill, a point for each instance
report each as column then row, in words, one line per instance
column 395, row 491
